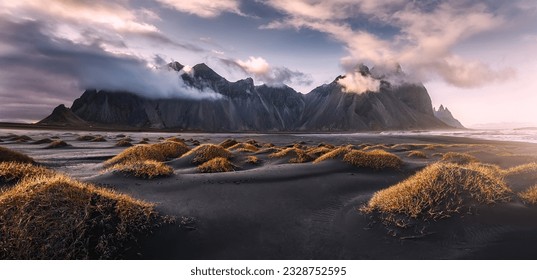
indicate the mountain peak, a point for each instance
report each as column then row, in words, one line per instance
column 445, row 115
column 176, row 66
column 205, row 72
column 363, row 69
column 63, row 116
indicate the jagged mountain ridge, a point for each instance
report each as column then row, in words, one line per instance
column 445, row 116
column 246, row 107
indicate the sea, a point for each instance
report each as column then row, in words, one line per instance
column 528, row 135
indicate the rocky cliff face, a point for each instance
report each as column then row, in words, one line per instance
column 446, row 117
column 330, row 108
column 242, row 106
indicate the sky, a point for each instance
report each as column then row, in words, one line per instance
column 478, row 58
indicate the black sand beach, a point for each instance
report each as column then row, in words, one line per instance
column 280, row 210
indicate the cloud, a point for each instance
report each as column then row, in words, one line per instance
column 52, row 70
column 425, row 34
column 204, row 8
column 358, row 83
column 77, row 20
column 262, row 71
column 110, row 14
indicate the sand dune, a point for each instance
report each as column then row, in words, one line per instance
column 278, row 208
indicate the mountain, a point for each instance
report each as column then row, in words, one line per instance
column 330, row 108
column 445, row 116
column 243, row 106
column 62, row 115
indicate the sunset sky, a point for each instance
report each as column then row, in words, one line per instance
column 479, row 58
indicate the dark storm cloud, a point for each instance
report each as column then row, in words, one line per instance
column 42, row 69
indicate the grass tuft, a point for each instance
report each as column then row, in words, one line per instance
column 376, row 147
column 416, row 154
column 458, row 158
column 529, row 196
column 206, row 152
column 318, row 151
column 123, row 143
column 99, row 139
column 218, row 164
column 56, row 217
column 268, row 150
column 335, row 153
column 157, row 152
column 438, row 191
column 173, row 139
column 12, row 172
column 522, row 169
column 228, row 143
column 146, row 169
column 376, row 159
column 85, row 138
column 7, row 155
column 297, row 155
column 57, row 144
column 244, row 147
column 252, row 160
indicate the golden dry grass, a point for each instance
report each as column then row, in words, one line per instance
column 376, row 147
column 174, row 139
column 416, row 154
column 297, row 155
column 12, row 172
column 206, row 152
column 252, row 142
column 376, row 159
column 335, row 153
column 406, row 147
column 269, row 150
column 522, row 169
column 252, row 160
column 57, row 144
column 244, row 147
column 322, row 144
column 458, row 158
column 218, row 164
column 318, row 151
column 146, row 169
column 7, row 155
column 123, row 143
column 432, row 147
column 529, row 196
column 157, row 152
column 85, row 138
column 98, row 139
column 438, row 191
column 56, row 217
column 228, row 143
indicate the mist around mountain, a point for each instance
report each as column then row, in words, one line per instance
column 243, row 106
